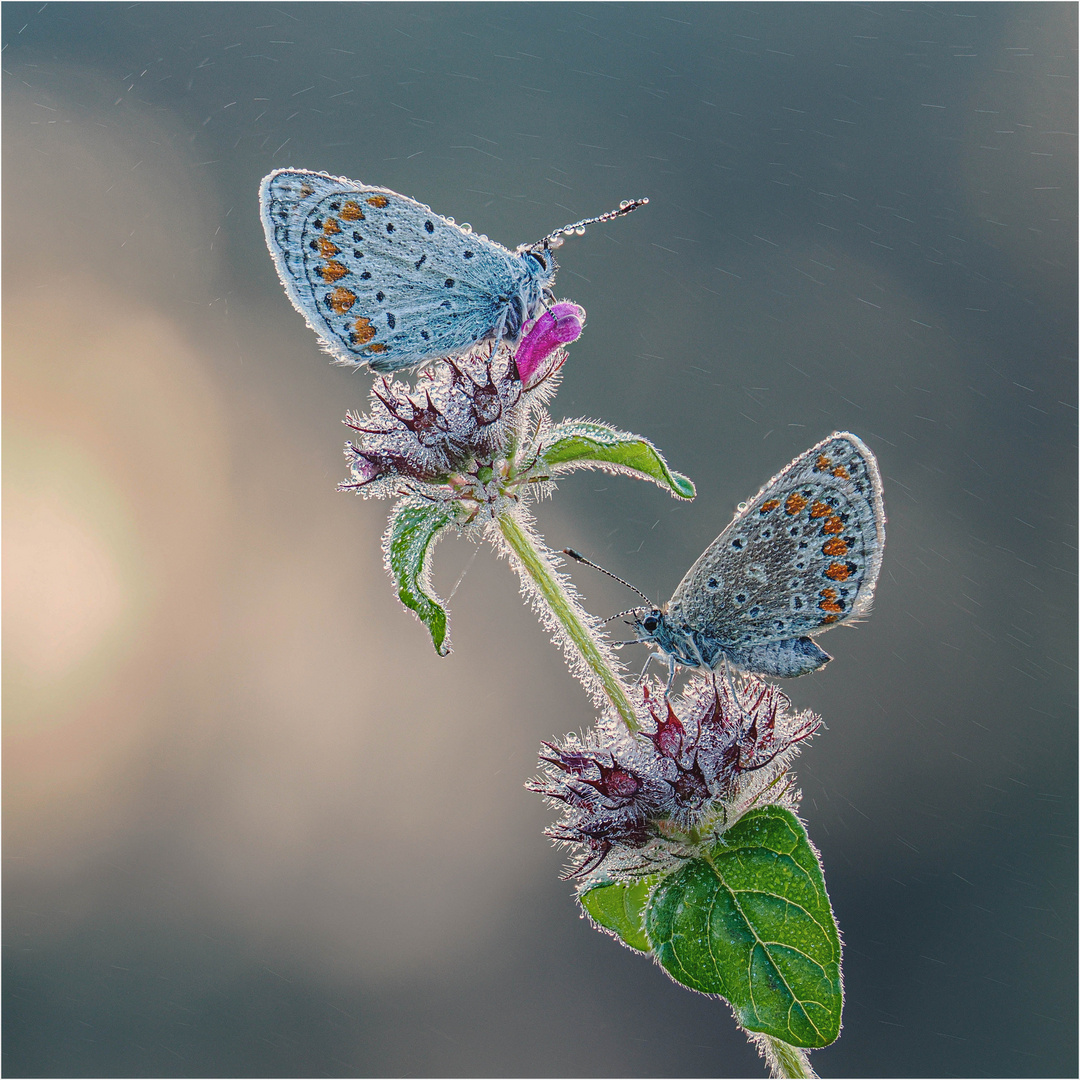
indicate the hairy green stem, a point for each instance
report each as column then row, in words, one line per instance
column 568, row 614
column 789, row 1061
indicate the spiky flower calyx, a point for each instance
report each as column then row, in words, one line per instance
column 636, row 805
column 461, row 435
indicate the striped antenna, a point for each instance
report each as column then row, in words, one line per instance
column 581, row 559
column 555, row 239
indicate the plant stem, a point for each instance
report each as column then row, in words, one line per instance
column 568, row 615
column 789, row 1061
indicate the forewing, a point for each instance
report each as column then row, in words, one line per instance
column 378, row 276
column 803, row 555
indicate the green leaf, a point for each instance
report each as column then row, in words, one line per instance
column 620, row 909
column 751, row 921
column 583, row 444
column 413, row 528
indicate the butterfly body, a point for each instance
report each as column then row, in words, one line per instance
column 801, row 556
column 385, row 281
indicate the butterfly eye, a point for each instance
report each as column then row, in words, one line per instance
column 650, row 623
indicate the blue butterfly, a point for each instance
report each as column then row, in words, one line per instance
column 801, row 556
column 385, row 282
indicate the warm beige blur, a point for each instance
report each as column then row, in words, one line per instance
column 107, row 538
column 200, row 639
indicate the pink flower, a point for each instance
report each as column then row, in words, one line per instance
column 557, row 326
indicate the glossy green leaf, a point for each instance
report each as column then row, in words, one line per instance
column 413, row 529
column 582, row 444
column 620, row 909
column 751, row 921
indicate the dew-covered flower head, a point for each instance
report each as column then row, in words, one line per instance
column 451, row 435
column 630, row 803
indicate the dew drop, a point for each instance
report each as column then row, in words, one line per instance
column 466, row 227
column 741, row 508
column 451, row 220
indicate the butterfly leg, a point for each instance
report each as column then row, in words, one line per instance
column 672, row 664
column 671, row 675
column 498, row 333
column 648, row 660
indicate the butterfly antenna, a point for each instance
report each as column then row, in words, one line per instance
column 555, row 239
column 581, row 559
column 612, row 618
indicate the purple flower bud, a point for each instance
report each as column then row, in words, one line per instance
column 555, row 327
column 670, row 734
column 700, row 761
column 615, row 784
column 691, row 789
column 364, row 469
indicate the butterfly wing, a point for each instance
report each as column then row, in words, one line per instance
column 803, row 555
column 378, row 276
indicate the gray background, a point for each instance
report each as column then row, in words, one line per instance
column 253, row 824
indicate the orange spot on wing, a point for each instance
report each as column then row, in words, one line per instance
column 377, row 347
column 822, row 463
column 829, row 619
column 820, row 509
column 769, row 505
column 833, row 526
column 838, row 571
column 830, row 601
column 332, row 271
column 841, row 472
column 834, row 547
column 351, row 211
column 327, row 248
column 795, row 503
column 341, row 300
column 363, row 331
column 378, row 201
column 330, row 226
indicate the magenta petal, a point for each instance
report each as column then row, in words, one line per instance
column 562, row 323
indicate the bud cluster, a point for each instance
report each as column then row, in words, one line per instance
column 460, row 435
column 636, row 803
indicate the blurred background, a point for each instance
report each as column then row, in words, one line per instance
column 253, row 825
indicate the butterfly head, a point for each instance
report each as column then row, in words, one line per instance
column 650, row 627
column 540, row 263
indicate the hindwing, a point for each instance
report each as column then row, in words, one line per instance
column 381, row 278
column 802, row 555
